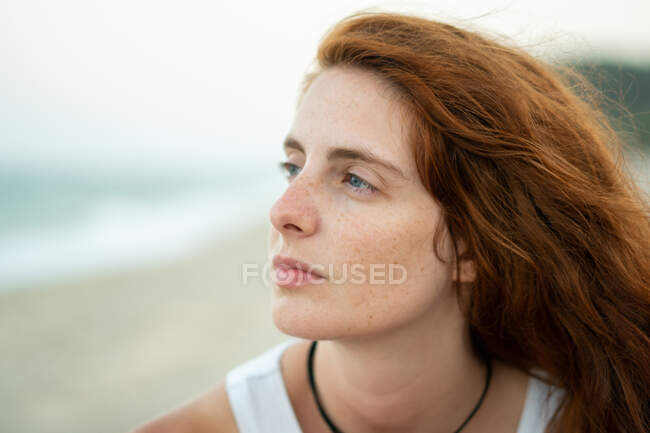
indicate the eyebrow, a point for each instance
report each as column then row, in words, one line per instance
column 338, row 153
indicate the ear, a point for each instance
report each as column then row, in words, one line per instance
column 467, row 266
column 467, row 271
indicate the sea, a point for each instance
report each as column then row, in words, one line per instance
column 61, row 223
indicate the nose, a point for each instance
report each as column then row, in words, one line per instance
column 295, row 213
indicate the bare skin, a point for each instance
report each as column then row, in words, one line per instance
column 208, row 413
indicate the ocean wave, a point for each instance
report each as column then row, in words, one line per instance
column 120, row 233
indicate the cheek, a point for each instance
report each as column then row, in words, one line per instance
column 363, row 242
column 395, row 242
column 419, row 283
column 392, row 238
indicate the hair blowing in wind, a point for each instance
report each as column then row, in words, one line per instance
column 531, row 178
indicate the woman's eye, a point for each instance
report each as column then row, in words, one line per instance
column 288, row 168
column 355, row 182
column 359, row 184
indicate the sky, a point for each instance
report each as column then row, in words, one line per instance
column 199, row 85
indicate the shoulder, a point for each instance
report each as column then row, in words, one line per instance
column 208, row 413
column 213, row 412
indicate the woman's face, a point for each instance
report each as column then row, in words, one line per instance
column 355, row 219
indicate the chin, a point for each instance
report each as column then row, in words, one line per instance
column 297, row 318
column 295, row 321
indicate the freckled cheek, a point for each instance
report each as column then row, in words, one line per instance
column 411, row 254
column 368, row 247
column 387, row 237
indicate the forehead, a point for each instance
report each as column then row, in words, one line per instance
column 349, row 105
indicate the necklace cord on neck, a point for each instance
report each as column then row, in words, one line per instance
column 335, row 429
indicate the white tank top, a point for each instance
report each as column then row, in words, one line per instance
column 260, row 402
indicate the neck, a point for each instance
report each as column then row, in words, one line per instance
column 421, row 377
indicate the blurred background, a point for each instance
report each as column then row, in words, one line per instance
column 138, row 149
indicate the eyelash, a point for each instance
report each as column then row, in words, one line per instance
column 285, row 166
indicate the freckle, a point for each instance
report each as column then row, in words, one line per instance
column 422, row 268
column 370, row 317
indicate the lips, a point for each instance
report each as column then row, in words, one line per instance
column 291, row 263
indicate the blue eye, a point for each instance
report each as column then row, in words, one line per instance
column 355, row 182
column 287, row 167
column 360, row 184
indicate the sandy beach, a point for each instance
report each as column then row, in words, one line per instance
column 106, row 353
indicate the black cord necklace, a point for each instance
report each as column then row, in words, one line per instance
column 335, row 429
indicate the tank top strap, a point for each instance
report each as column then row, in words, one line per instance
column 258, row 395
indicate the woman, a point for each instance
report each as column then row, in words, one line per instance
column 520, row 245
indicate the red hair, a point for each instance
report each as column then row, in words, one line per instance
column 530, row 177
